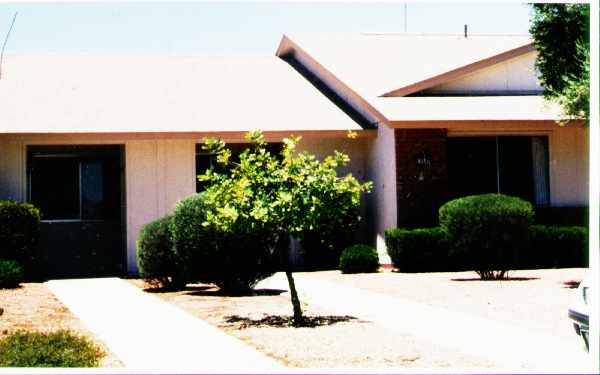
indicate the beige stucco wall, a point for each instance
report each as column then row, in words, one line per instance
column 158, row 174
column 381, row 169
column 517, row 74
column 569, row 166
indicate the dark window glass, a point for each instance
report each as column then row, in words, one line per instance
column 471, row 166
column 92, row 190
column 75, row 182
column 515, row 166
column 54, row 187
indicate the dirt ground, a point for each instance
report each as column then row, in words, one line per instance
column 336, row 342
column 34, row 307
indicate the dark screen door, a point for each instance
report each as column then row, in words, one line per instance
column 79, row 191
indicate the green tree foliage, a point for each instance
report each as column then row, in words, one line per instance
column 282, row 195
column 561, row 36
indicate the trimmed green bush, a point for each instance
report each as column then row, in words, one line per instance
column 359, row 259
column 11, row 274
column 155, row 255
column 56, row 349
column 193, row 245
column 234, row 260
column 554, row 247
column 19, row 233
column 487, row 231
column 420, row 250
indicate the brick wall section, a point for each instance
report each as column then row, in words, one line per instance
column 421, row 175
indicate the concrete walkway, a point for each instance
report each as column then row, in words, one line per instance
column 512, row 349
column 148, row 334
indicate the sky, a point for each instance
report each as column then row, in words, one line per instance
column 232, row 28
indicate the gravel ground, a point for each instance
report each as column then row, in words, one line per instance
column 532, row 299
column 350, row 343
column 34, row 307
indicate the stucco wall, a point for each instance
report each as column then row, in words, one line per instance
column 12, row 170
column 158, row 174
column 515, row 75
column 569, row 166
column 381, row 169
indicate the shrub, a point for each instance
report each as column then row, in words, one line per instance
column 192, row 243
column 487, row 230
column 19, row 233
column 233, row 258
column 321, row 248
column 359, row 259
column 554, row 246
column 56, row 349
column 11, row 274
column 155, row 255
column 420, row 250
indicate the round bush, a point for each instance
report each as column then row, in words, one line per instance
column 11, row 274
column 193, row 244
column 19, row 233
column 487, row 231
column 234, row 260
column 155, row 256
column 359, row 259
column 54, row 349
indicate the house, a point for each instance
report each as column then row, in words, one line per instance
column 105, row 144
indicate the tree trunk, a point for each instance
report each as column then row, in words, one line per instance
column 298, row 318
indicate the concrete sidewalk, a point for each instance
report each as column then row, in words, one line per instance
column 148, row 334
column 512, row 349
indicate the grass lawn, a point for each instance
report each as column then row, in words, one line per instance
column 33, row 308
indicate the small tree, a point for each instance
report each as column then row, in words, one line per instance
column 561, row 37
column 278, row 195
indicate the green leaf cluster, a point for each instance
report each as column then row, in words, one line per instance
column 561, row 37
column 288, row 193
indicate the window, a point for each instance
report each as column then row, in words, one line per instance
column 205, row 160
column 511, row 165
column 75, row 182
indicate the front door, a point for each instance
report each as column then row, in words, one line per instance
column 79, row 191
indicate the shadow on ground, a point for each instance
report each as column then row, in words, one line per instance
column 506, row 279
column 213, row 291
column 287, row 321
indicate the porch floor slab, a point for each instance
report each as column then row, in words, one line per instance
column 148, row 334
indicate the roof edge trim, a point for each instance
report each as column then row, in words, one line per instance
column 288, row 48
column 461, row 71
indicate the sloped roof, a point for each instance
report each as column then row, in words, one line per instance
column 377, row 64
column 118, row 93
column 379, row 69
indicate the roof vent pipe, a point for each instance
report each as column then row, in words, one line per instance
column 465, row 31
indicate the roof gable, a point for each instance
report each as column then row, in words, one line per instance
column 377, row 65
column 516, row 76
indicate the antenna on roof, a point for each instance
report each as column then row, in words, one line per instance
column 465, row 30
column 6, row 40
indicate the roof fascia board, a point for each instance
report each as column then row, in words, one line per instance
column 485, row 125
column 233, row 136
column 461, row 71
column 287, row 48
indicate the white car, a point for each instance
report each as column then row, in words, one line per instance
column 579, row 312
